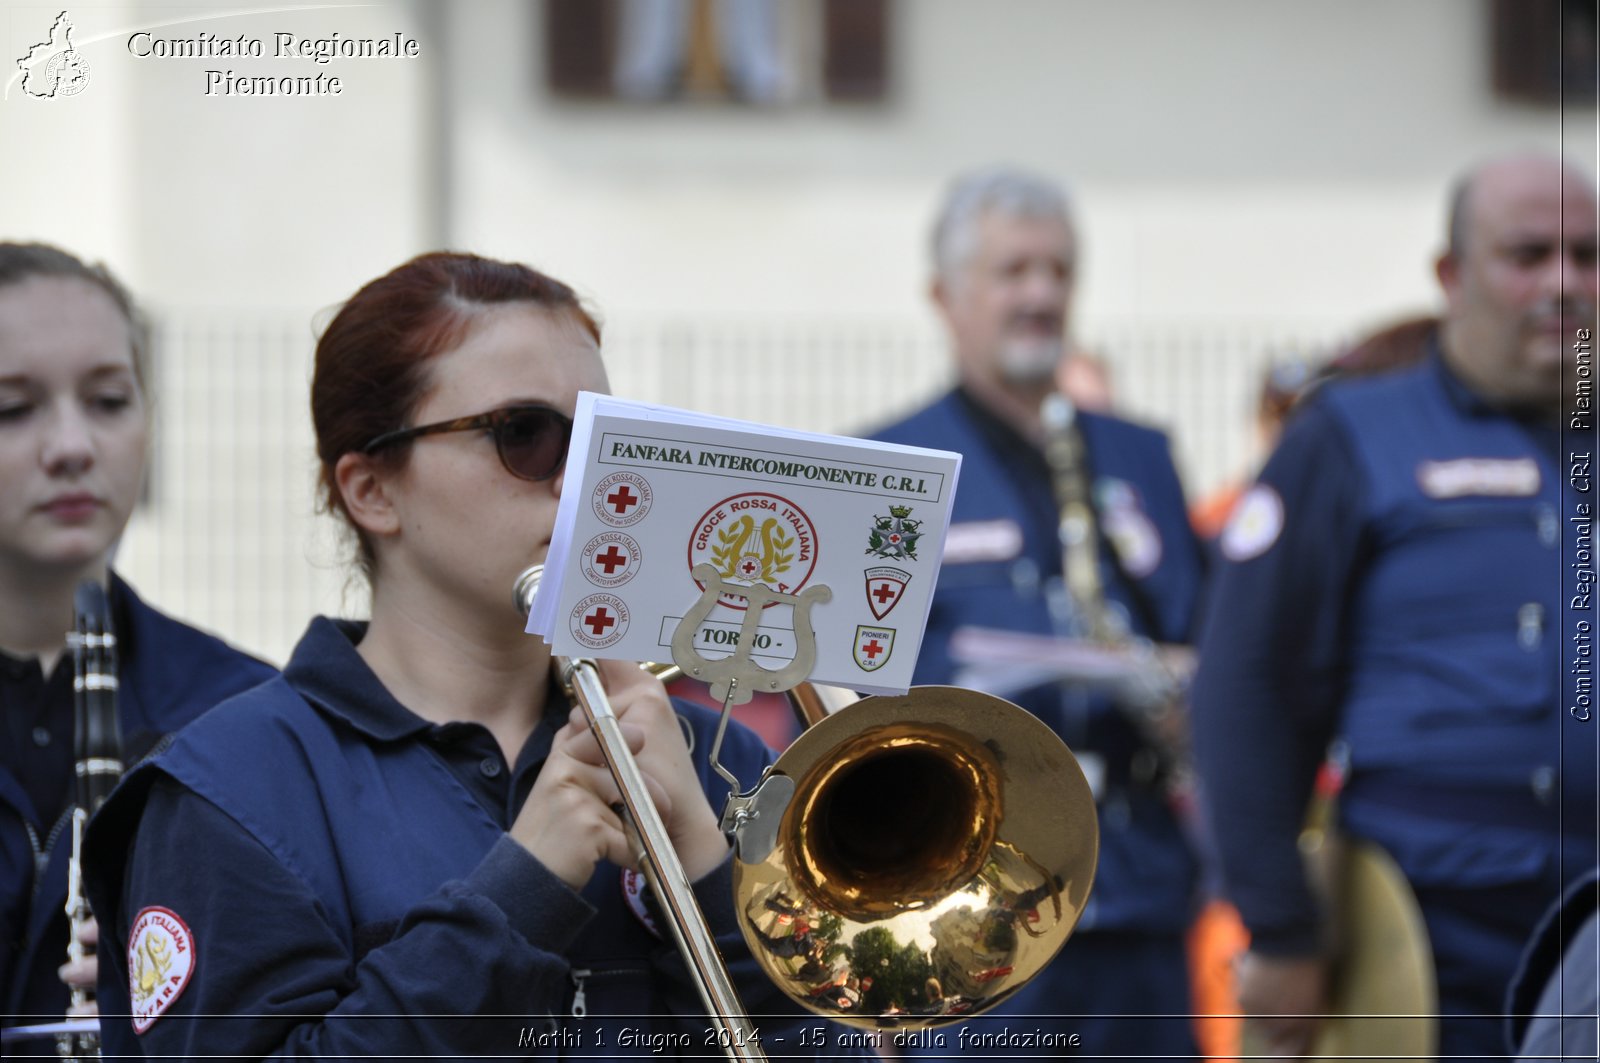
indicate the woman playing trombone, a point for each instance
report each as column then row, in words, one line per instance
column 403, row 846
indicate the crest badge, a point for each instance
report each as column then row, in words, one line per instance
column 885, row 587
column 1129, row 528
column 611, row 559
column 160, row 962
column 599, row 620
column 1254, row 525
column 895, row 536
column 622, row 499
column 873, row 647
column 633, row 888
column 754, row 539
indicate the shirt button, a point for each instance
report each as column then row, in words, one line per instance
column 41, row 736
column 1543, row 783
column 1549, row 526
column 489, row 767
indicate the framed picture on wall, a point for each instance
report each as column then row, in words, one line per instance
column 739, row 52
column 1544, row 51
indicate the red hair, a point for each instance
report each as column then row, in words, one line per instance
column 372, row 360
column 1394, row 347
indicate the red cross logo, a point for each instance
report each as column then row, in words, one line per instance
column 748, row 568
column 873, row 647
column 611, row 560
column 622, row 499
column 599, row 620
column 884, row 586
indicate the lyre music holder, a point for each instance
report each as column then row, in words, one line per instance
column 750, row 818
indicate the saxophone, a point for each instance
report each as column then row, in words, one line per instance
column 97, row 746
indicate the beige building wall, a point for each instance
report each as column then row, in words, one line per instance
column 1253, row 177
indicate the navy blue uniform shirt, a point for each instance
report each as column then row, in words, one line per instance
column 1002, row 569
column 169, row 674
column 1394, row 584
column 320, row 871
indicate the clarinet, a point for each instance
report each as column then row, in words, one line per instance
column 1151, row 700
column 97, row 747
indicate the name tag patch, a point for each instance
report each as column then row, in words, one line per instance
column 1494, row 477
column 982, row 540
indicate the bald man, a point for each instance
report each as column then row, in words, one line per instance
column 1398, row 589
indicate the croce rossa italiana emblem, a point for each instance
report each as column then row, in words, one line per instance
column 895, row 535
column 747, row 553
column 755, row 538
column 753, row 553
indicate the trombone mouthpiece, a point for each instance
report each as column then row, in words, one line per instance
column 522, row 590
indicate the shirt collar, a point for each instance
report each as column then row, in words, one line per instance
column 124, row 604
column 122, row 599
column 1545, row 434
column 997, row 428
column 1470, row 402
column 328, row 672
column 1461, row 396
column 17, row 668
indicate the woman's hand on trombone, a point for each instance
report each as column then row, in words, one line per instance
column 571, row 819
column 640, row 700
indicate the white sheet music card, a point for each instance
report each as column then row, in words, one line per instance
column 664, row 511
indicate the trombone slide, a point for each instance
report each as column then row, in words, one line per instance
column 662, row 868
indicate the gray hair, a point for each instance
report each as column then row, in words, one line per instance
column 999, row 190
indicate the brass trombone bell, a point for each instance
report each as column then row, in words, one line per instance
column 910, row 861
column 935, row 855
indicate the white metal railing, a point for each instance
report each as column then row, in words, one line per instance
column 230, row 538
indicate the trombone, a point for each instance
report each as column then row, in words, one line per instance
column 658, row 860
column 908, row 862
